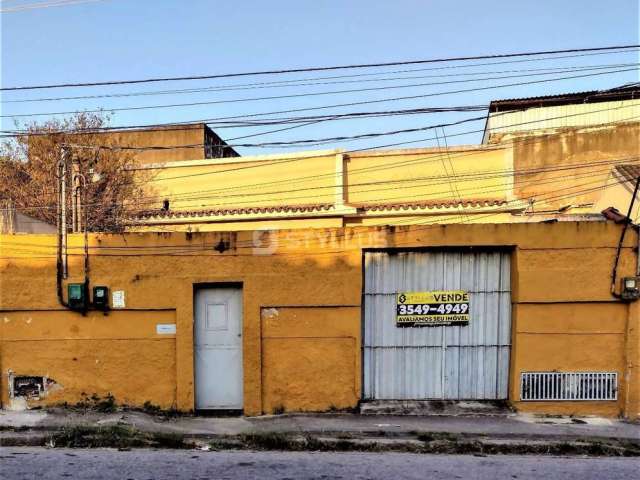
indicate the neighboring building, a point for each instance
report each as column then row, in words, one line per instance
column 12, row 221
column 180, row 142
column 581, row 139
column 319, row 189
column 525, row 116
column 175, row 142
column 621, row 184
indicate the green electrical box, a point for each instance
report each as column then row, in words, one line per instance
column 101, row 298
column 77, row 296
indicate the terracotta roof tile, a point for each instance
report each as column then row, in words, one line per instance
column 432, row 204
column 321, row 207
column 614, row 214
column 215, row 212
column 628, row 172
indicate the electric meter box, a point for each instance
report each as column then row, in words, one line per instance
column 77, row 296
column 630, row 288
column 101, row 297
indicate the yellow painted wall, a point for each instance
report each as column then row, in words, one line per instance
column 424, row 175
column 306, row 356
column 618, row 195
column 588, row 336
column 587, row 155
column 96, row 354
column 310, row 358
column 326, row 177
column 479, row 215
column 285, row 179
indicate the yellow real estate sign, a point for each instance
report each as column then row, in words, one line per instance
column 415, row 309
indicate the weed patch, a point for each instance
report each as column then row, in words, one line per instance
column 432, row 436
column 427, row 442
column 114, row 436
column 278, row 410
column 268, row 441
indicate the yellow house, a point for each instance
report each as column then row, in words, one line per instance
column 308, row 319
column 291, row 282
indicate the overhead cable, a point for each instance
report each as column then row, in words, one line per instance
column 322, row 68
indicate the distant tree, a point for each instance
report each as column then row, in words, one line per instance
column 29, row 177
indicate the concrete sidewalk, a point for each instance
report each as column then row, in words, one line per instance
column 509, row 426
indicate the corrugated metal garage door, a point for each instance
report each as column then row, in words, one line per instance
column 442, row 362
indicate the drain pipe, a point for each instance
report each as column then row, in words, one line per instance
column 85, row 213
column 63, row 216
column 632, row 355
column 614, row 273
column 61, row 261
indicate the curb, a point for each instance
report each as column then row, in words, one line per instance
column 125, row 437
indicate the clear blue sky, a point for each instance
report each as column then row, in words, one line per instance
column 123, row 39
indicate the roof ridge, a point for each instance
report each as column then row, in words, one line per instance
column 316, row 207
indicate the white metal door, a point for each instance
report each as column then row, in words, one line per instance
column 441, row 362
column 218, row 348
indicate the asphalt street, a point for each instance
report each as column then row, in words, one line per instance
column 37, row 463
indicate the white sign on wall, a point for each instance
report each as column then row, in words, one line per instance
column 117, row 299
column 166, row 328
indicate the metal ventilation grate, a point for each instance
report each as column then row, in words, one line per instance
column 541, row 386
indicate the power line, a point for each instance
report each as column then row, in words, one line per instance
column 437, row 222
column 37, row 6
column 220, row 122
column 430, row 158
column 484, row 189
column 335, row 92
column 280, row 144
column 181, row 126
column 312, row 82
column 421, row 182
column 300, row 158
column 321, row 68
column 425, row 181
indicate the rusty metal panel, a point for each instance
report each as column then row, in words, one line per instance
column 443, row 362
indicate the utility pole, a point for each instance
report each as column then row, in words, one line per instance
column 62, row 183
column 79, row 204
column 76, row 200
